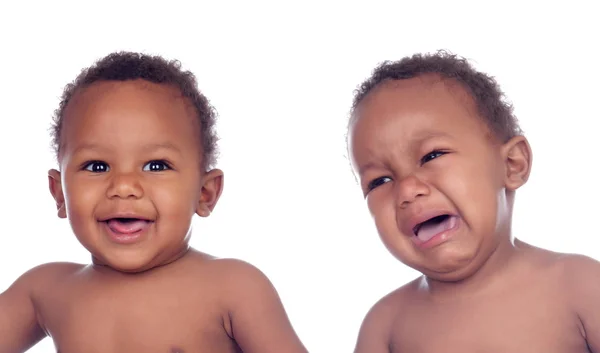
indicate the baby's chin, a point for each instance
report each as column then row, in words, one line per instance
column 446, row 265
column 136, row 264
column 449, row 272
column 130, row 266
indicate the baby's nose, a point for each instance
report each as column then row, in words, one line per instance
column 125, row 186
column 409, row 189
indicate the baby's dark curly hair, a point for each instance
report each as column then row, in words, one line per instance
column 125, row 66
column 489, row 98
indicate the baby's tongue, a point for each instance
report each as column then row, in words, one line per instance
column 435, row 226
column 126, row 226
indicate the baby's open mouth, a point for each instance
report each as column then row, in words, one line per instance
column 433, row 226
column 127, row 225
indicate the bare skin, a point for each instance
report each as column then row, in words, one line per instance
column 541, row 304
column 130, row 182
column 195, row 304
column 420, row 149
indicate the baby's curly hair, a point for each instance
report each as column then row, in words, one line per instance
column 125, row 66
column 489, row 98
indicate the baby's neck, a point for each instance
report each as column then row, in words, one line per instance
column 497, row 270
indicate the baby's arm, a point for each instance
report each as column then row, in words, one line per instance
column 582, row 277
column 259, row 323
column 19, row 328
column 375, row 332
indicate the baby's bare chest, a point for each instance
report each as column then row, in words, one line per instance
column 515, row 324
column 136, row 318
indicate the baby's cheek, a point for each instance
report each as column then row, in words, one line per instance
column 372, row 206
column 176, row 203
column 472, row 184
column 80, row 201
column 381, row 207
column 379, row 202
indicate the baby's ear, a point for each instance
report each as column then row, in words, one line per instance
column 56, row 190
column 212, row 187
column 517, row 158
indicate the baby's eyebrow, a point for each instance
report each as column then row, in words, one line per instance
column 162, row 146
column 147, row 148
column 365, row 167
column 88, row 146
column 420, row 138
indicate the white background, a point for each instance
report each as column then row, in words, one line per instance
column 281, row 76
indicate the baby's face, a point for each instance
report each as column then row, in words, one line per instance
column 432, row 175
column 130, row 172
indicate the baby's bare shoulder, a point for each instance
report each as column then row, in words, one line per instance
column 47, row 275
column 568, row 274
column 19, row 305
column 568, row 269
column 251, row 303
column 376, row 330
column 228, row 274
column 578, row 275
column 236, row 273
column 579, row 278
column 576, row 264
column 392, row 304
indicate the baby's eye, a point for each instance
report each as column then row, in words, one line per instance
column 431, row 155
column 97, row 167
column 156, row 166
column 377, row 182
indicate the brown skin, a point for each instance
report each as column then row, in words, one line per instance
column 156, row 294
column 482, row 290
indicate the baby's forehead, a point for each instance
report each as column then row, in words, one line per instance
column 105, row 102
column 407, row 115
column 133, row 95
column 419, row 100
